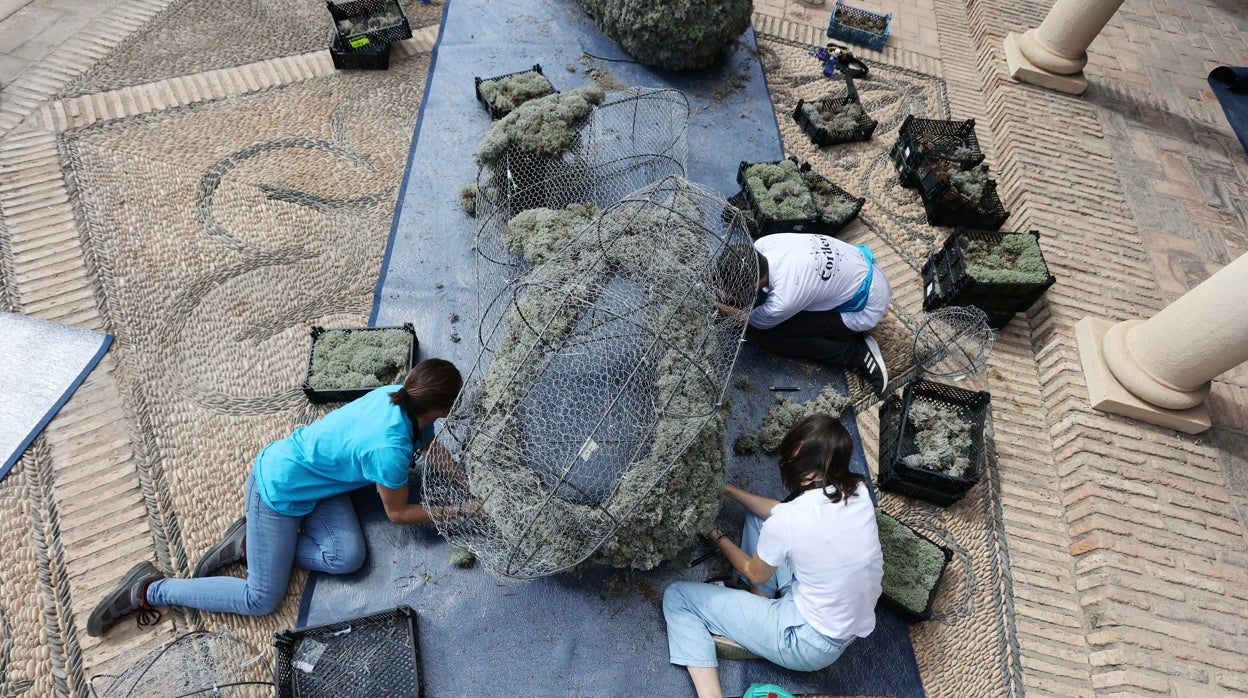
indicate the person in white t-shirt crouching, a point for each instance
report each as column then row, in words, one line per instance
column 818, row 297
column 812, row 562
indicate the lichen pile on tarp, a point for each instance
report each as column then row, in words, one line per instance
column 912, row 564
column 596, row 428
column 672, row 34
column 942, row 439
column 359, row 358
column 1015, row 260
column 786, row 414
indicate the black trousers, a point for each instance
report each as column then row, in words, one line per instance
column 821, row 336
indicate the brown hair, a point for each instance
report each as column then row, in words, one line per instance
column 819, row 446
column 432, row 384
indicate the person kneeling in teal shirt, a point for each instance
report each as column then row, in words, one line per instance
column 298, row 507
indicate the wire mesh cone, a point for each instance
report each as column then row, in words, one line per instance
column 592, row 423
column 953, row 342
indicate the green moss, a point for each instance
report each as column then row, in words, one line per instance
column 541, row 128
column 1017, row 259
column 468, row 198
column 511, row 91
column 942, row 439
column 780, row 190
column 537, row 234
column 679, row 35
column 786, row 414
column 359, row 358
column 912, row 564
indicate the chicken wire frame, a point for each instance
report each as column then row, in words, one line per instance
column 633, row 138
column 200, row 662
column 953, row 342
column 602, row 372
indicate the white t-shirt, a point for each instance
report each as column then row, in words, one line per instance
column 817, row 272
column 834, row 552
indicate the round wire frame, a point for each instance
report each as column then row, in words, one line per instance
column 953, row 342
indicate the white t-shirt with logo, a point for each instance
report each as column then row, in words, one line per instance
column 817, row 272
column 834, row 552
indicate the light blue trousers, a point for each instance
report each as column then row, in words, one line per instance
column 771, row 628
column 328, row 539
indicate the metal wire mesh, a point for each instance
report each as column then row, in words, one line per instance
column 368, row 657
column 201, row 663
column 592, row 421
column 953, row 342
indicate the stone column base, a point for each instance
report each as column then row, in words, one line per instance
column 1024, row 70
column 1107, row 394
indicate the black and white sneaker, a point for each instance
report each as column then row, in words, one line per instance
column 873, row 366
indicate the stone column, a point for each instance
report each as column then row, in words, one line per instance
column 1053, row 55
column 1159, row 370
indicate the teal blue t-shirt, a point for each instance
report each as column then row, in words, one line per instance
column 366, row 441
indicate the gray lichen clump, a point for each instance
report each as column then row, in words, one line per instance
column 843, row 118
column 359, row 358
column 912, row 564
column 1015, row 260
column 468, row 198
column 539, row 233
column 970, row 185
column 462, row 557
column 942, row 437
column 510, row 91
column 835, row 206
column 672, row 34
column 780, row 189
column 672, row 489
column 544, row 127
column 786, row 414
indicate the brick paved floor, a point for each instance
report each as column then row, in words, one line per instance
column 1128, row 541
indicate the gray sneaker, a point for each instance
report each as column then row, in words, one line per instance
column 728, row 648
column 873, row 365
column 230, row 549
column 126, row 598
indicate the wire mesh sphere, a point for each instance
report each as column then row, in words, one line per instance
column 953, row 342
column 208, row 663
column 592, row 422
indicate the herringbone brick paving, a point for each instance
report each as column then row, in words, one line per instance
column 1127, row 541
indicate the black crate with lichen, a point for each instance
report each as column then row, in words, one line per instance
column 834, row 120
column 1001, row 273
column 370, row 57
column 837, row 207
column 858, row 26
column 345, row 363
column 961, row 198
column 778, row 198
column 934, row 142
column 914, row 566
column 362, row 23
column 931, row 441
column 503, row 93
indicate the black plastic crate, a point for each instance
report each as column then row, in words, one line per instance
column 830, row 223
column 899, row 609
column 499, row 112
column 946, row 280
column 376, row 655
column 371, row 57
column 322, row 395
column 897, row 440
column 361, row 23
column 821, row 136
column 766, row 224
column 945, row 205
column 934, row 141
column 838, row 29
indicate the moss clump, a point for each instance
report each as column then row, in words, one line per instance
column 672, row 34
column 786, row 414
column 511, row 91
column 359, row 358
column 844, row 117
column 835, row 206
column 942, row 438
column 912, row 564
column 1016, row 260
column 543, row 128
column 780, row 190
column 537, row 234
column 468, row 198
column 462, row 557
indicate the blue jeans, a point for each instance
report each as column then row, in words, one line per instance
column 328, row 540
column 771, row 628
